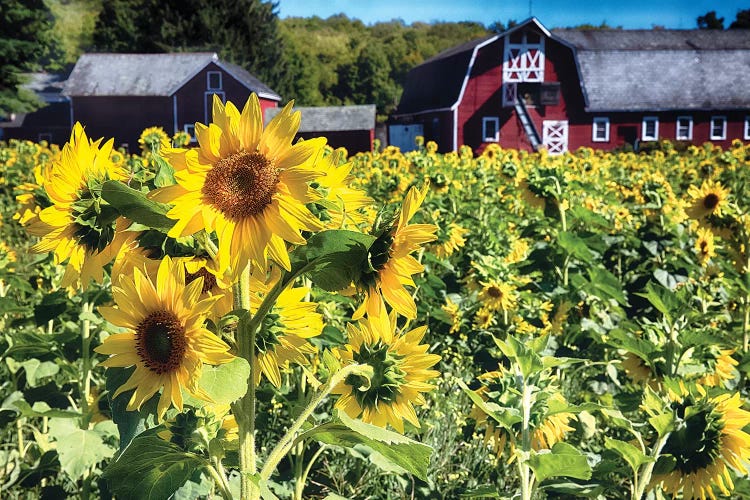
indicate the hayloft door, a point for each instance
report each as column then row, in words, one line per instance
column 555, row 136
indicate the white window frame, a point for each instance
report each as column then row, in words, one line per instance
column 747, row 128
column 496, row 121
column 208, row 80
column 189, row 129
column 689, row 136
column 723, row 135
column 207, row 108
column 524, row 64
column 645, row 137
column 600, row 120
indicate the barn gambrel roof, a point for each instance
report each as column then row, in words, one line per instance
column 149, row 74
column 619, row 70
column 332, row 118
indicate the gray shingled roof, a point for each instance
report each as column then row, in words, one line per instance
column 655, row 39
column 146, row 74
column 652, row 70
column 332, row 118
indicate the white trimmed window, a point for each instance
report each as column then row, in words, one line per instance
column 718, row 128
column 684, row 128
column 213, row 80
column 600, row 129
column 189, row 129
column 650, row 128
column 747, row 128
column 491, row 129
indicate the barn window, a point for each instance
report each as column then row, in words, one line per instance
column 523, row 59
column 490, row 129
column 747, row 128
column 213, row 80
column 684, row 128
column 600, row 130
column 718, row 128
column 650, row 128
column 189, row 129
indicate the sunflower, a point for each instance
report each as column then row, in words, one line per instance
column 496, row 295
column 401, row 371
column 391, row 265
column 79, row 226
column 451, row 240
column 153, row 139
column 709, row 199
column 165, row 337
column 7, row 256
column 453, row 311
column 246, row 183
column 342, row 202
column 707, row 442
column 284, row 333
column 704, row 245
column 721, row 366
column 546, row 431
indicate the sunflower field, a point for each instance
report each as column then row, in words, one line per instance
column 250, row 317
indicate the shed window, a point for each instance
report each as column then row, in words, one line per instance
column 650, row 128
column 747, row 128
column 189, row 129
column 491, row 129
column 600, row 129
column 213, row 80
column 684, row 128
column 718, row 128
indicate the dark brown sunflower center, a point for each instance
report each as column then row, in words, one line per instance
column 704, row 247
column 161, row 341
column 241, row 185
column 711, row 201
column 209, row 280
column 494, row 292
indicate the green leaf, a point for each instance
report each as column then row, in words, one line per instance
column 337, row 258
column 36, row 370
column 151, row 468
column 164, row 172
column 129, row 423
column 662, row 423
column 226, row 383
column 562, row 460
column 664, row 300
column 410, row 455
column 574, row 246
column 42, row 409
column 78, row 449
column 51, row 307
column 487, row 491
column 506, row 417
column 527, row 360
column 632, row 455
column 135, row 206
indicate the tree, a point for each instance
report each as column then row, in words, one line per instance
column 709, row 21
column 742, row 21
column 244, row 32
column 25, row 41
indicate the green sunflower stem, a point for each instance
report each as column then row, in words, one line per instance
column 287, row 441
column 87, row 309
column 524, row 471
column 245, row 414
column 644, row 478
column 220, row 480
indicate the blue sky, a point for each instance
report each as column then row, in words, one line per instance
column 630, row 14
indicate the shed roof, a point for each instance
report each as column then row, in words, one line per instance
column 614, row 39
column 332, row 118
column 148, row 74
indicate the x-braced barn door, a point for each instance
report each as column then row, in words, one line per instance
column 555, row 136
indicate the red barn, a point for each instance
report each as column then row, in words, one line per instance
column 119, row 95
column 529, row 87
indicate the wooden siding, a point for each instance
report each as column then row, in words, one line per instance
column 123, row 118
column 355, row 141
column 192, row 99
column 51, row 122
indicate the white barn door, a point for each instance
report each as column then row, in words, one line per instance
column 555, row 136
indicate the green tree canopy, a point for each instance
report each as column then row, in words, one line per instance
column 25, row 43
column 709, row 21
column 244, row 32
column 742, row 21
